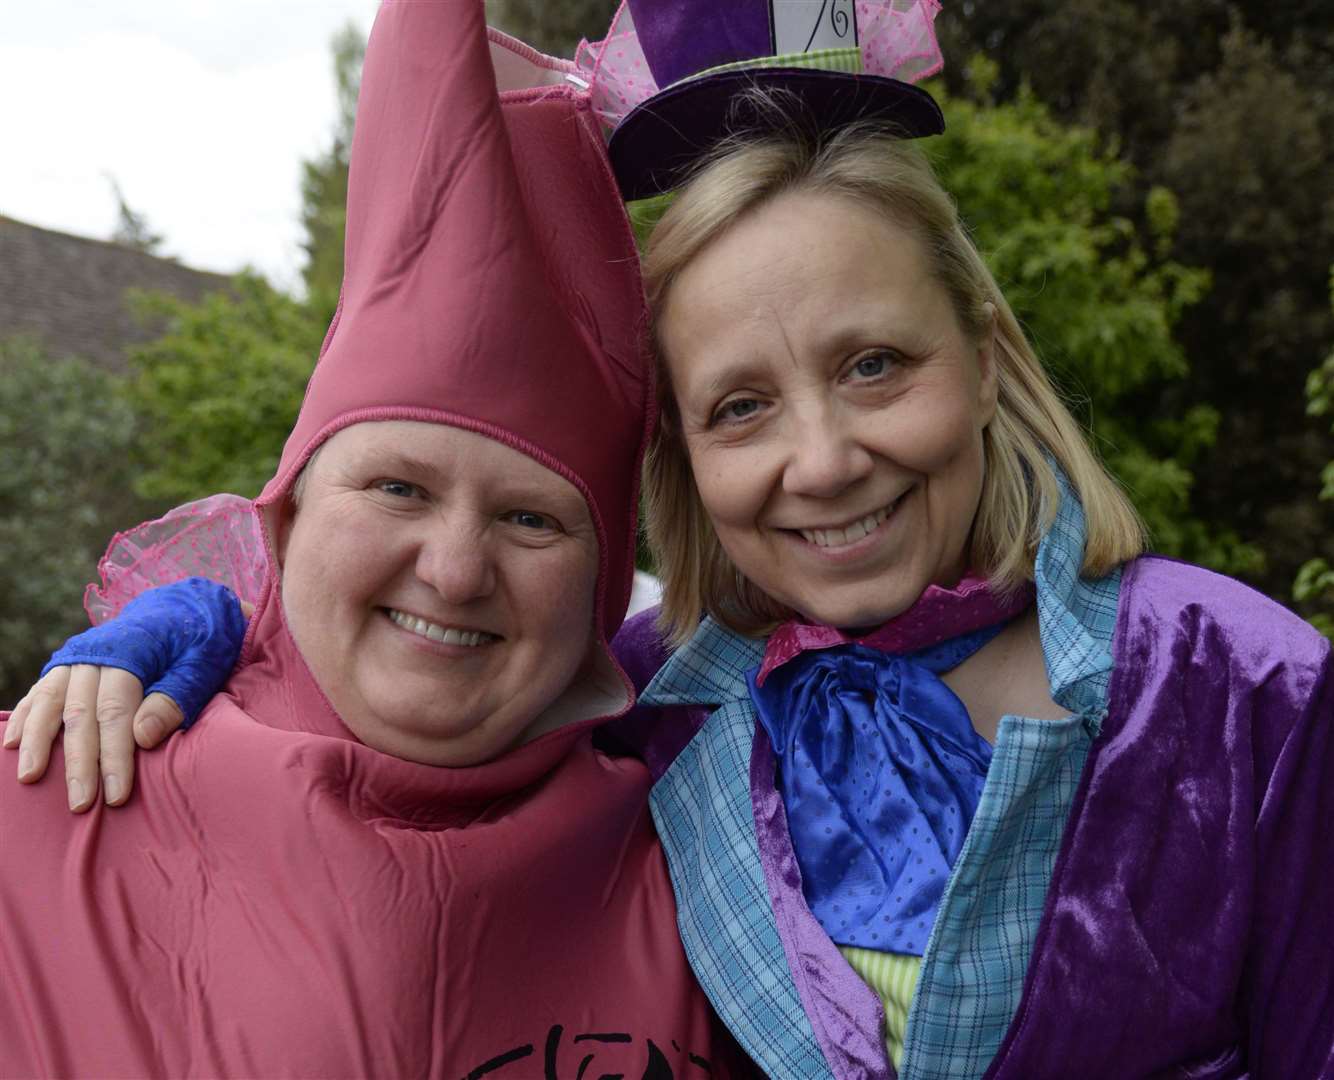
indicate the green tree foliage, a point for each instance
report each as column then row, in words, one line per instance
column 65, row 486
column 553, row 27
column 219, row 391
column 1231, row 108
column 1097, row 295
column 1314, row 587
column 1320, row 401
column 324, row 181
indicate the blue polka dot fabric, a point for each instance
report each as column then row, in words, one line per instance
column 881, row 772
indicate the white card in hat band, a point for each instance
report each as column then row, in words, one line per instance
column 801, row 26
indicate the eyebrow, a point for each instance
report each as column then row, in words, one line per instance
column 731, row 373
column 397, row 461
column 880, row 323
column 850, row 339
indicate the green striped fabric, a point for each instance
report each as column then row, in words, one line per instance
column 848, row 61
column 893, row 976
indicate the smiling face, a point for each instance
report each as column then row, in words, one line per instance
column 832, row 407
column 440, row 586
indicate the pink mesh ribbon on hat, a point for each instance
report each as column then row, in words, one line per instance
column 217, row 538
column 897, row 39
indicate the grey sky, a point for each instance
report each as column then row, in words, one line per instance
column 201, row 109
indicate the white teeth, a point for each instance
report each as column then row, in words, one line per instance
column 446, row 636
column 849, row 534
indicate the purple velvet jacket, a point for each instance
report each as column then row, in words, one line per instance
column 1188, row 929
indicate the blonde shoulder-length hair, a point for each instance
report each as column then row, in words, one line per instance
column 1032, row 430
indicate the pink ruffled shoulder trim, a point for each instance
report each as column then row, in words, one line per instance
column 219, row 538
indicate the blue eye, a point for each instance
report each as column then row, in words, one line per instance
column 530, row 519
column 737, row 409
column 400, row 489
column 869, row 367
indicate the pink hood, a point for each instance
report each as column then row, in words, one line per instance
column 491, row 277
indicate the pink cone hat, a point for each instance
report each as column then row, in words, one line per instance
column 491, row 277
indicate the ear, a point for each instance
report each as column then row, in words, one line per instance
column 988, row 386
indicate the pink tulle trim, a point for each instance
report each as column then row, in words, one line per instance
column 897, row 40
column 219, row 538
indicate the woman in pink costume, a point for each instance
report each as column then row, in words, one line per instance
column 303, row 891
column 952, row 781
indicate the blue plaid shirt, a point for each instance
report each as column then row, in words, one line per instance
column 973, row 967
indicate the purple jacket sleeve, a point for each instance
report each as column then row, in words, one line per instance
column 1189, row 924
column 654, row 735
column 1291, row 983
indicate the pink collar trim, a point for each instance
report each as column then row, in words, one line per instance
column 937, row 615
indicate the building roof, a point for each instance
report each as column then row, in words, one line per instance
column 68, row 292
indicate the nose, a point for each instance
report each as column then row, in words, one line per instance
column 825, row 457
column 456, row 561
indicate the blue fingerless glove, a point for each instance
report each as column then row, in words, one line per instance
column 181, row 640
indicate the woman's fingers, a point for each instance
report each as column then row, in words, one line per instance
column 103, row 713
column 64, row 696
column 82, row 739
column 157, row 718
column 39, row 723
column 119, row 696
column 14, row 726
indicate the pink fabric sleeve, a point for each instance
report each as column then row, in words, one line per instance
column 219, row 538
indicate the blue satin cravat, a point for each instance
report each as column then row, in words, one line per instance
column 881, row 771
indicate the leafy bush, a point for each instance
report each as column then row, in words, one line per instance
column 65, row 487
column 1231, row 107
column 1314, row 587
column 1098, row 297
column 219, row 391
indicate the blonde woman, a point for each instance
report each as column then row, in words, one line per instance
column 863, row 476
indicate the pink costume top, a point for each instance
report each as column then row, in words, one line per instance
column 279, row 899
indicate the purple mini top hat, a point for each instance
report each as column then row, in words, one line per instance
column 666, row 76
